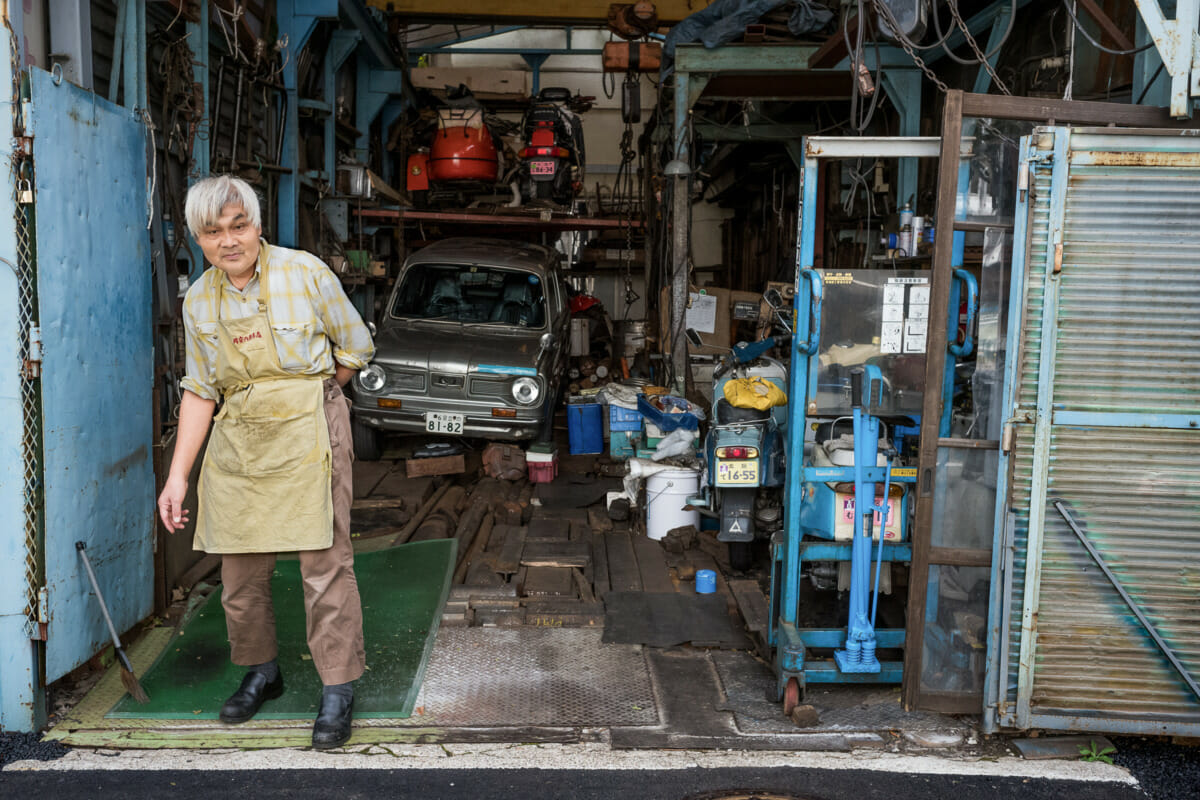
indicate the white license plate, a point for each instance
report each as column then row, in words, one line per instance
column 437, row 422
column 541, row 167
column 737, row 473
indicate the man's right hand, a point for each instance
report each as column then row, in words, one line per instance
column 170, row 504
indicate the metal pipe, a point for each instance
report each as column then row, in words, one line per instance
column 214, row 120
column 237, row 117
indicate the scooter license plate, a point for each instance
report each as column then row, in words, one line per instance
column 541, row 167
column 737, row 473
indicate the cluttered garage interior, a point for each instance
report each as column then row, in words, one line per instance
column 783, row 374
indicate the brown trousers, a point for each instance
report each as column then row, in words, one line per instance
column 331, row 602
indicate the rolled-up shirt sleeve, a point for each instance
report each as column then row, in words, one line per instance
column 352, row 344
column 199, row 360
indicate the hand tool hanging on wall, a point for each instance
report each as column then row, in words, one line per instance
column 128, row 679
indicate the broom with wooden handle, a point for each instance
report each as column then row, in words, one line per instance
column 128, row 679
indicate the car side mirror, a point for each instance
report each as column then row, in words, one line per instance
column 372, row 329
column 545, row 343
column 693, row 337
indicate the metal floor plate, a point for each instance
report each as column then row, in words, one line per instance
column 534, row 676
column 842, row 708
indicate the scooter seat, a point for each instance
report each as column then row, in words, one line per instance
column 728, row 413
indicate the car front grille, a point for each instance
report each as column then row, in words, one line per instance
column 490, row 387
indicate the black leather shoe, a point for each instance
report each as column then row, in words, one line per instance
column 254, row 691
column 332, row 728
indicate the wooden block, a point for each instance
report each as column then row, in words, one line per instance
column 440, row 465
column 378, row 503
column 752, row 603
column 500, row 617
column 556, row 554
column 546, row 529
column 509, row 560
column 549, row 582
column 578, row 520
column 553, row 613
column 598, row 520
column 481, row 573
column 584, row 586
column 652, row 565
column 499, row 536
column 599, row 565
column 623, row 572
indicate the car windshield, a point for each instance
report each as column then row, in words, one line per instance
column 469, row 293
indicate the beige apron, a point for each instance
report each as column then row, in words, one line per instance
column 265, row 481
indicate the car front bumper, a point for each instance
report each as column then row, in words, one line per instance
column 477, row 418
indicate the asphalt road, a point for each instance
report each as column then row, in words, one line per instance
column 446, row 784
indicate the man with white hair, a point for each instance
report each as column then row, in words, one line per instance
column 272, row 336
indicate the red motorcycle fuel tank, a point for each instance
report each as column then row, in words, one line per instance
column 463, row 153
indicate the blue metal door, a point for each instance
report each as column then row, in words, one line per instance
column 94, row 290
column 1100, row 472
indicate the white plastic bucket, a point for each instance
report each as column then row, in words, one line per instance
column 667, row 492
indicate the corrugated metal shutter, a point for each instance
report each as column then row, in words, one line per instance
column 1120, row 442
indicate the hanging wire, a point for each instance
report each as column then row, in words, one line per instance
column 1088, row 36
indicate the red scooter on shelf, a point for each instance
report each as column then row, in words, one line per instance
column 552, row 161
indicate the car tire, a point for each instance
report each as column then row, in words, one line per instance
column 368, row 442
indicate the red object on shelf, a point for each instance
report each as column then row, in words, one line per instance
column 463, row 153
column 418, row 172
column 542, row 467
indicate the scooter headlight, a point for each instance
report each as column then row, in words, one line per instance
column 526, row 391
column 372, row 377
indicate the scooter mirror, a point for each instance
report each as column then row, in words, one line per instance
column 774, row 298
column 693, row 337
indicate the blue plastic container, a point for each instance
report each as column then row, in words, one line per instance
column 706, row 581
column 624, row 419
column 585, row 428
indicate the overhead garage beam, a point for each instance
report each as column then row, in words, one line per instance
column 669, row 11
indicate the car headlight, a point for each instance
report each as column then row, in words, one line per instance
column 372, row 377
column 526, row 391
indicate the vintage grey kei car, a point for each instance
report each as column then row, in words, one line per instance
column 472, row 342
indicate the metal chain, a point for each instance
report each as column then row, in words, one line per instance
column 886, row 13
column 979, row 54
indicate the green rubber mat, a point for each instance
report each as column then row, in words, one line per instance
column 403, row 590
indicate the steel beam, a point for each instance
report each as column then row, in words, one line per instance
column 733, row 58
column 198, row 33
column 71, row 36
column 590, row 11
column 297, row 19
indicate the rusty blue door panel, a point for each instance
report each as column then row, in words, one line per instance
column 1102, row 397
column 94, row 290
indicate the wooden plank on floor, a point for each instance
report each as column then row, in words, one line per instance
column 578, row 520
column 623, row 572
column 598, row 520
column 509, row 559
column 438, row 465
column 499, row 536
column 556, row 613
column 752, row 603
column 548, row 529
column 652, row 565
column 599, row 565
column 540, row 553
column 549, row 582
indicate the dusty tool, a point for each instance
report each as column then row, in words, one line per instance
column 128, row 679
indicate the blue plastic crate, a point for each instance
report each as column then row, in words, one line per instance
column 624, row 419
column 585, row 428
